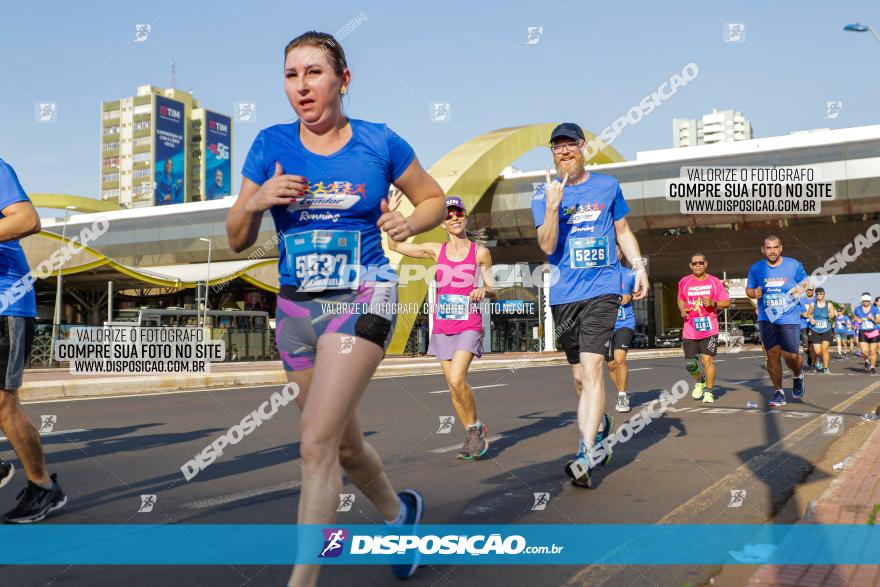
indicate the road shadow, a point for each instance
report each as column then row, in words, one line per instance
column 499, row 503
column 94, row 444
column 539, row 424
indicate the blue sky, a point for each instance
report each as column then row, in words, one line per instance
column 592, row 63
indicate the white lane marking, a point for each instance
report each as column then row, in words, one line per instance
column 741, row 358
column 55, row 433
column 476, row 387
column 241, row 495
column 720, row 360
column 739, row 382
column 642, row 369
column 439, row 451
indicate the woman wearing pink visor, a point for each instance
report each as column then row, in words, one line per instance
column 458, row 323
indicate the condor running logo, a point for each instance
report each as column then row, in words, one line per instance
column 334, row 542
column 337, row 195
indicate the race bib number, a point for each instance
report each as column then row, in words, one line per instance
column 702, row 324
column 821, row 324
column 867, row 324
column 324, row 259
column 588, row 253
column 621, row 313
column 452, row 307
column 774, row 300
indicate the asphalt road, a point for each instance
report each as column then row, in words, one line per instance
column 680, row 469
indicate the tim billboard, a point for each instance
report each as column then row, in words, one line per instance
column 170, row 166
column 217, row 155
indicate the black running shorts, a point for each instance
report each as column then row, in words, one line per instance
column 620, row 340
column 700, row 346
column 586, row 326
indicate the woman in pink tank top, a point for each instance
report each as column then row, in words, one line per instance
column 458, row 323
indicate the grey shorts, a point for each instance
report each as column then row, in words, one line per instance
column 443, row 346
column 16, row 340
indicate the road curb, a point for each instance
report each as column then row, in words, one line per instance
column 84, row 388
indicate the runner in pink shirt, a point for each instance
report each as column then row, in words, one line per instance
column 700, row 296
column 458, row 322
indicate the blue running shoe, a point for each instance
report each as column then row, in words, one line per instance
column 778, row 399
column 797, row 389
column 415, row 505
column 600, row 436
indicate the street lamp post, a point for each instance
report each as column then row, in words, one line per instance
column 861, row 28
column 56, row 321
column 207, row 281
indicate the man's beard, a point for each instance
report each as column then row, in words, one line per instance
column 573, row 168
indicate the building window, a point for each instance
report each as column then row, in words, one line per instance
column 143, row 109
column 141, row 173
column 142, row 141
column 111, row 130
column 110, row 162
column 107, row 194
column 142, row 125
column 111, row 146
column 141, row 157
column 110, row 177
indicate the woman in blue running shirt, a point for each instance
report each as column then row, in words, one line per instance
column 821, row 314
column 324, row 179
column 866, row 316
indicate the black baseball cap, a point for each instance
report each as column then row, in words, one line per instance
column 567, row 130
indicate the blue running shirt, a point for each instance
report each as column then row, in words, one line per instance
column 626, row 318
column 21, row 300
column 586, row 248
column 345, row 190
column 775, row 283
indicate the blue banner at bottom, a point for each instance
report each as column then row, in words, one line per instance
column 532, row 544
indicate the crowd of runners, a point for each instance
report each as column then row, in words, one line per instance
column 581, row 222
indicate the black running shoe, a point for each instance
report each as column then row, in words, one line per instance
column 579, row 471
column 35, row 503
column 6, row 473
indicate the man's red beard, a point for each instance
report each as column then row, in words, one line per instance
column 573, row 167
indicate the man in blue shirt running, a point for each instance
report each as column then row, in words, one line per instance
column 777, row 283
column 18, row 309
column 580, row 222
column 624, row 330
